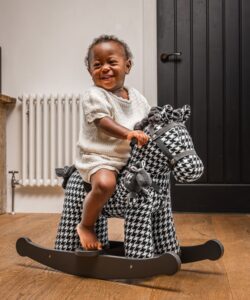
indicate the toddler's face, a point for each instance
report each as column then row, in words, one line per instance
column 108, row 66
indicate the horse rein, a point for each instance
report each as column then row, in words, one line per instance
column 173, row 159
column 155, row 136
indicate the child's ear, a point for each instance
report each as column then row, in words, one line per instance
column 128, row 65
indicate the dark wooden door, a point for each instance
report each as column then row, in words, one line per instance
column 213, row 76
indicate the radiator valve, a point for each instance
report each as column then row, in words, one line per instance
column 14, row 182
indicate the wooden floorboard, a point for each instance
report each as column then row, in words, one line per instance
column 227, row 278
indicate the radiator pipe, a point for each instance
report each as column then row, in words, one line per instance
column 14, row 182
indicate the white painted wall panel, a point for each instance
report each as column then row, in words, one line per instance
column 43, row 49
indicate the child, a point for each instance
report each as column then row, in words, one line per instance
column 110, row 111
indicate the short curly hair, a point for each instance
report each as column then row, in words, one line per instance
column 108, row 38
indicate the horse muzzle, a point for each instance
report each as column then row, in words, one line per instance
column 188, row 169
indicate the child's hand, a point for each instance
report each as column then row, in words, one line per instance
column 141, row 137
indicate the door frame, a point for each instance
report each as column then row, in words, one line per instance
column 149, row 51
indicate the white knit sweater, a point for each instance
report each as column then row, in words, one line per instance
column 94, row 146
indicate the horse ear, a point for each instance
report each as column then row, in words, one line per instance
column 178, row 115
column 154, row 115
column 167, row 113
column 154, row 110
column 186, row 112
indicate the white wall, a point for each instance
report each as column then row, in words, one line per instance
column 43, row 48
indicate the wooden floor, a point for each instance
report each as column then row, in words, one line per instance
column 228, row 278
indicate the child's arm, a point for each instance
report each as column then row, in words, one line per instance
column 116, row 130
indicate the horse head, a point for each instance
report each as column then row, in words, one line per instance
column 166, row 128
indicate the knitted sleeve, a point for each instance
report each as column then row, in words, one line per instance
column 96, row 106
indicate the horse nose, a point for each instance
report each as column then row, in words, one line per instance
column 188, row 169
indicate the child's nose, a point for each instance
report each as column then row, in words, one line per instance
column 105, row 68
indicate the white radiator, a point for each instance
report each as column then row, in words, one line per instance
column 50, row 128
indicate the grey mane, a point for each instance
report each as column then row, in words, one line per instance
column 165, row 114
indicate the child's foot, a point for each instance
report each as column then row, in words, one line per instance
column 88, row 238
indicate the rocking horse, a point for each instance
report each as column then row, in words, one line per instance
column 142, row 197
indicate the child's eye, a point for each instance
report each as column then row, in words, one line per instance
column 113, row 62
column 96, row 65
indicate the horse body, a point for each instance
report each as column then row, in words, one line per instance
column 146, row 207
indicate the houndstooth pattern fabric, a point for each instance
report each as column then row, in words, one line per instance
column 164, row 234
column 149, row 225
column 138, row 220
column 67, row 238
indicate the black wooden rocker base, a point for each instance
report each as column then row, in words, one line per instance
column 112, row 264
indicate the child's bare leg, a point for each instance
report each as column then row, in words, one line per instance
column 103, row 186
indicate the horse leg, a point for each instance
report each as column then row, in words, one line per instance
column 101, row 230
column 164, row 235
column 67, row 237
column 138, row 239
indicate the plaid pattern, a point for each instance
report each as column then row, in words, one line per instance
column 149, row 225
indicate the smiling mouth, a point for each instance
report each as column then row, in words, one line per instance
column 106, row 77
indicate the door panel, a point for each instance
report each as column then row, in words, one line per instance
column 245, row 89
column 199, row 82
column 165, row 19
column 183, row 69
column 215, row 92
column 232, row 160
column 212, row 75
